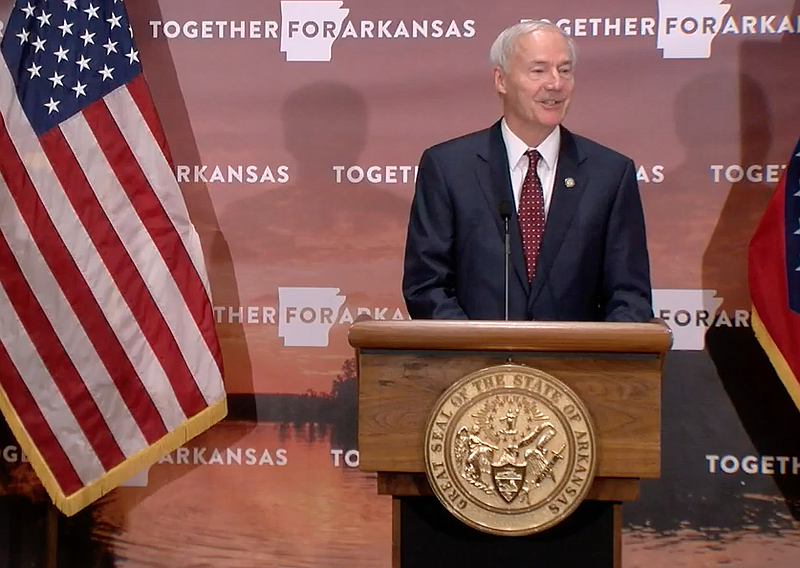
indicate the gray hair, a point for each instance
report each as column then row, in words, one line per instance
column 503, row 46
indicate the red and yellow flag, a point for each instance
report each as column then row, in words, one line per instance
column 774, row 278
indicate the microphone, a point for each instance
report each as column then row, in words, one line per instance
column 506, row 209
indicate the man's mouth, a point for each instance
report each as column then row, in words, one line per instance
column 550, row 103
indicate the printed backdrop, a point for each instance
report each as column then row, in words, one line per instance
column 295, row 129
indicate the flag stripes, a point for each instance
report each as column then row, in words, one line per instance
column 182, row 288
column 94, row 357
column 118, row 289
column 32, row 367
column 34, row 421
column 137, row 89
column 155, row 306
column 24, row 302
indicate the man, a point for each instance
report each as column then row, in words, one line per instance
column 581, row 254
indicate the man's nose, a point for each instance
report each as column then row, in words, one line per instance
column 554, row 80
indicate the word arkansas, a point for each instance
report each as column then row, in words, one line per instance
column 226, row 456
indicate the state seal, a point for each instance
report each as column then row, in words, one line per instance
column 510, row 450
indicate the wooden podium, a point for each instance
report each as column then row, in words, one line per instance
column 403, row 367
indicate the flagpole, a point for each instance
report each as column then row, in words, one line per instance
column 51, row 537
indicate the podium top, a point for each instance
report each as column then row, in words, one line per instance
column 482, row 335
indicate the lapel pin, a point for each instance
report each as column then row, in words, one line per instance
column 569, row 182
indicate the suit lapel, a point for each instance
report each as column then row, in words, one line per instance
column 563, row 205
column 495, row 181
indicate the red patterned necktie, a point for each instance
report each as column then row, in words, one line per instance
column 531, row 214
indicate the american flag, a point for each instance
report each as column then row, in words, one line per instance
column 108, row 354
column 774, row 278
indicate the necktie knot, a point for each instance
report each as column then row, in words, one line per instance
column 533, row 157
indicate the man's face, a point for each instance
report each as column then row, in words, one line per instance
column 536, row 86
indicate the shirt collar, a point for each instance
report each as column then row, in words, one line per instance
column 516, row 148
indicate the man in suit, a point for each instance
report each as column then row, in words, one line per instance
column 578, row 250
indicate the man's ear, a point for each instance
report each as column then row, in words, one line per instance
column 499, row 81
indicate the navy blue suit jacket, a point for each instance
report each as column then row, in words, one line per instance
column 593, row 263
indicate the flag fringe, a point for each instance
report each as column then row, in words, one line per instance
column 71, row 504
column 776, row 357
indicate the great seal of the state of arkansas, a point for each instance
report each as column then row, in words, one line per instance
column 510, row 450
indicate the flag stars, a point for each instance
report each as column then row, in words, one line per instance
column 80, row 90
column 44, row 18
column 114, row 21
column 34, row 70
column 39, row 44
column 92, row 12
column 61, row 54
column 106, row 72
column 56, row 79
column 87, row 38
column 65, row 28
column 44, row 26
column 83, row 63
column 52, row 106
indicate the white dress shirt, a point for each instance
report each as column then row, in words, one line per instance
column 518, row 162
